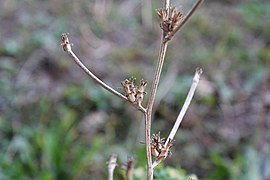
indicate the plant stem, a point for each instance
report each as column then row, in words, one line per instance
column 183, row 111
column 149, row 108
column 189, row 97
column 148, row 114
column 111, row 166
column 67, row 47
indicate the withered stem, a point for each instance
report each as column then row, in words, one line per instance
column 149, row 109
column 111, row 166
column 129, row 169
column 189, row 97
column 68, row 49
column 183, row 111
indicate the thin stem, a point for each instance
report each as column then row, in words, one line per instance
column 130, row 164
column 150, row 171
column 148, row 114
column 183, row 22
column 167, row 5
column 111, row 166
column 67, row 47
column 183, row 111
column 149, row 109
column 189, row 97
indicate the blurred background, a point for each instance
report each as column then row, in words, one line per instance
column 56, row 123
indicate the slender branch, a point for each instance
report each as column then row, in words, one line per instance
column 183, row 111
column 184, row 20
column 189, row 97
column 129, row 169
column 148, row 114
column 149, row 109
column 67, row 48
column 111, row 166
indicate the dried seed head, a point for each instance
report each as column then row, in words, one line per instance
column 65, row 42
column 140, row 92
column 157, row 144
column 166, row 151
column 130, row 89
column 169, row 21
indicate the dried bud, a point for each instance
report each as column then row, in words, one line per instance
column 157, row 144
column 169, row 21
column 166, row 151
column 65, row 42
column 130, row 89
column 140, row 92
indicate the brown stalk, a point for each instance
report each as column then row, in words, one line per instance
column 67, row 48
column 149, row 109
column 129, row 169
column 166, row 36
column 171, row 22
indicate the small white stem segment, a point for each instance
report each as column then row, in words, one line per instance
column 111, row 166
column 183, row 111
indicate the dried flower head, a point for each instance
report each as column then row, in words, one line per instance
column 166, row 151
column 169, row 19
column 159, row 150
column 130, row 89
column 135, row 94
column 65, row 42
column 140, row 92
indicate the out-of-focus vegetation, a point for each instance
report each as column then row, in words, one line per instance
column 55, row 123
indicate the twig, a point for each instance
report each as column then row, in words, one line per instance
column 148, row 114
column 67, row 48
column 149, row 109
column 129, row 169
column 184, row 20
column 111, row 166
column 183, row 111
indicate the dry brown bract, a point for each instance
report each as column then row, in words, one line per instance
column 135, row 94
column 169, row 19
column 159, row 150
column 65, row 42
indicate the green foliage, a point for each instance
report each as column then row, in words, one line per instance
column 164, row 173
column 51, row 152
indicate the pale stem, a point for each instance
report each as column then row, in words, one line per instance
column 111, row 166
column 183, row 111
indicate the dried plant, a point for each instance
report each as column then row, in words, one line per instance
column 111, row 166
column 171, row 21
